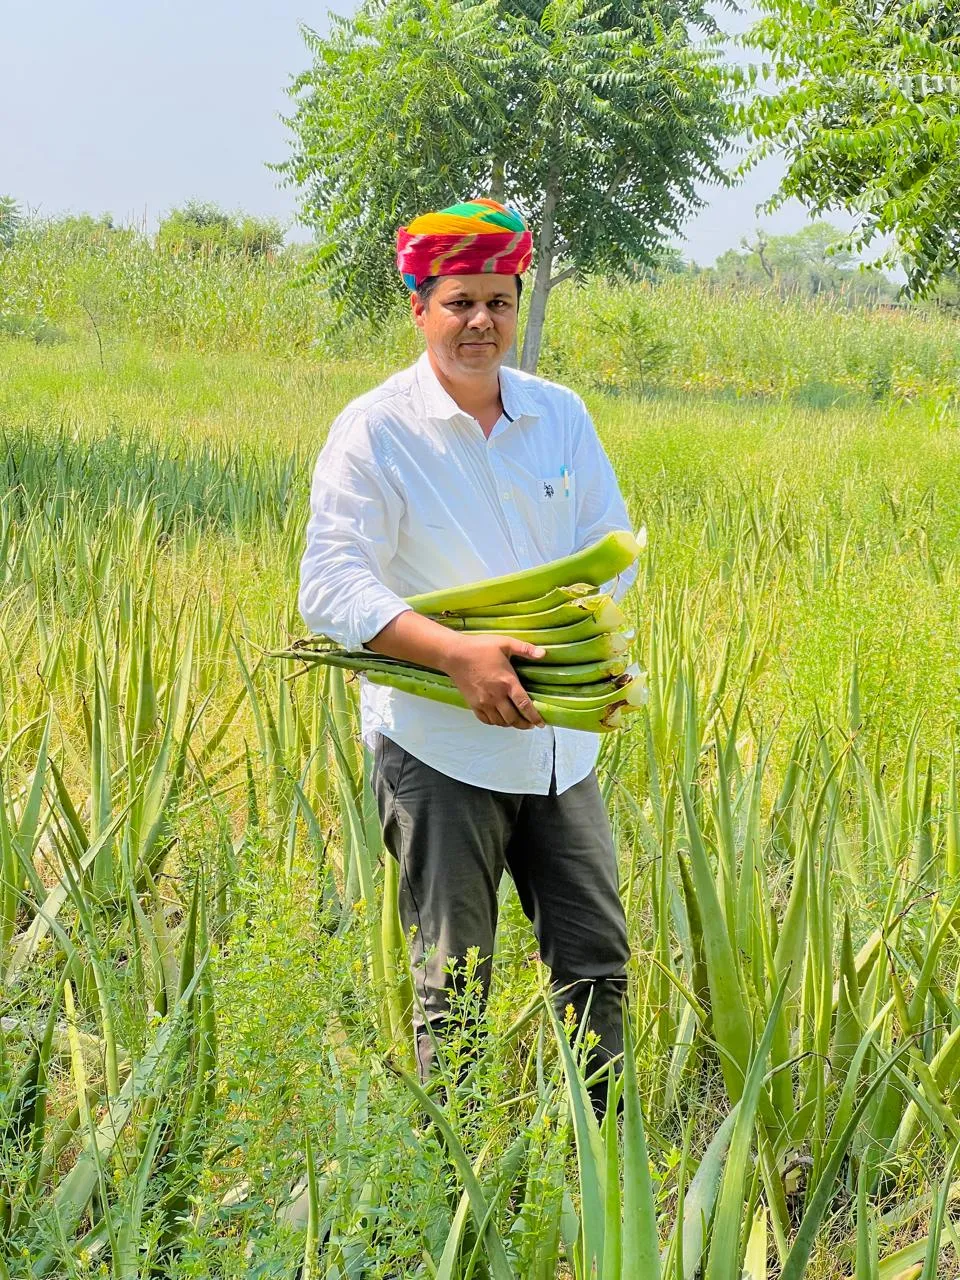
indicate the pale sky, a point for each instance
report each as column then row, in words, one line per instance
column 131, row 108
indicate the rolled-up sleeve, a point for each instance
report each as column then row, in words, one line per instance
column 600, row 505
column 355, row 513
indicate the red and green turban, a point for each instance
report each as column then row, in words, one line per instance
column 464, row 240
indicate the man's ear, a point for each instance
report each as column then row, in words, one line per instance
column 417, row 308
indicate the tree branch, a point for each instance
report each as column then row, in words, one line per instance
column 618, row 177
column 561, row 276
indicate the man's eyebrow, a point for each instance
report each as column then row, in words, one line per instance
column 461, row 295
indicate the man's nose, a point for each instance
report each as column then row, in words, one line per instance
column 481, row 318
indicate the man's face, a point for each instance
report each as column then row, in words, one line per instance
column 469, row 322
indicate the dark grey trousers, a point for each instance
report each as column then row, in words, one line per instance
column 453, row 842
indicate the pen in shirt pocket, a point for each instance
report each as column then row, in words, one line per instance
column 565, row 477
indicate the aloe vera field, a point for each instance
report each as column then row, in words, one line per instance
column 205, row 1060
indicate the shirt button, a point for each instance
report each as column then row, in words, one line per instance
column 506, row 495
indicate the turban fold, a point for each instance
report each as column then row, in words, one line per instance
column 466, row 239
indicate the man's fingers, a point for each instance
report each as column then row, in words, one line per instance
column 510, row 715
column 520, row 649
column 524, row 704
column 491, row 716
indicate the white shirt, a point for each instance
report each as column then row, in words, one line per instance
column 409, row 496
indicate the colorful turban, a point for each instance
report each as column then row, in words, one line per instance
column 464, row 240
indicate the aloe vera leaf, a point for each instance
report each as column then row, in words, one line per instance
column 597, row 689
column 596, row 649
column 593, row 613
column 577, row 673
column 310, row 1269
column 755, row 1260
column 67, row 1204
column 612, row 1224
column 447, row 1266
column 796, row 1264
column 362, row 660
column 730, row 1020
column 591, row 1163
column 399, row 990
column 598, row 720
column 607, row 558
column 867, row 1265
column 724, row 1257
column 584, row 628
column 574, row 700
column 940, row 1206
column 700, row 1200
column 47, row 913
column 640, row 1243
column 554, row 599
column 945, row 1071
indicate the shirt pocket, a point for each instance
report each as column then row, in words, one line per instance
column 556, row 509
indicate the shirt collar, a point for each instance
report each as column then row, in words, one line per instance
column 438, row 403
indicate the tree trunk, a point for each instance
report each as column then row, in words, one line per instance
column 533, row 334
column 497, row 181
column 497, row 191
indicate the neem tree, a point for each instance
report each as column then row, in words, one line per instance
column 866, row 110
column 597, row 121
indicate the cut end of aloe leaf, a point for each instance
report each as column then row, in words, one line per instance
column 609, row 616
column 637, row 692
column 612, row 716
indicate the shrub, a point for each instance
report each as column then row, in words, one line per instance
column 204, row 228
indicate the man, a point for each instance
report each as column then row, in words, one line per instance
column 454, row 470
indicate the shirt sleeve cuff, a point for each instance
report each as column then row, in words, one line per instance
column 379, row 609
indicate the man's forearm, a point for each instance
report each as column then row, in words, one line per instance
column 413, row 638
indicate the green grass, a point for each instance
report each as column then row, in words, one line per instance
column 798, row 617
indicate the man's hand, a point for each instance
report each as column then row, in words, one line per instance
column 480, row 667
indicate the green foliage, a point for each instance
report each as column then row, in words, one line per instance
column 67, row 270
column 20, row 317
column 691, row 332
column 668, row 261
column 682, row 330
column 947, row 292
column 33, row 328
column 864, row 108
column 84, row 228
column 595, row 121
column 204, row 229
column 633, row 351
column 811, row 261
column 10, row 221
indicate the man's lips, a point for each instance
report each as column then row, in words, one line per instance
column 478, row 344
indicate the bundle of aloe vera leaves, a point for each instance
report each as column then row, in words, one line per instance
column 585, row 680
